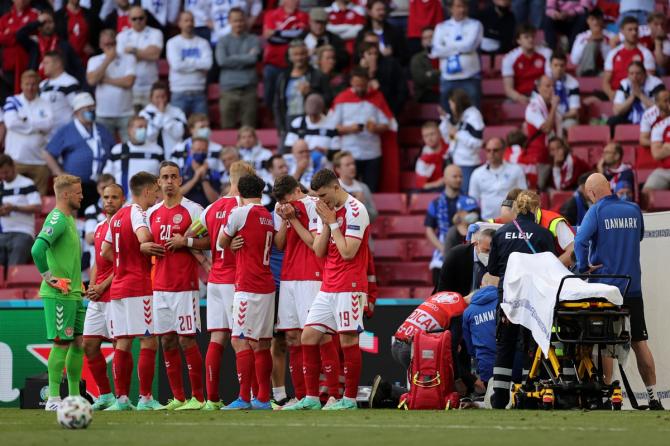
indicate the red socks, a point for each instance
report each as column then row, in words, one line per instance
column 173, row 369
column 352, row 370
column 145, row 370
column 263, row 365
column 213, row 370
column 194, row 363
column 245, row 368
column 295, row 367
column 330, row 363
column 98, row 367
column 311, row 366
column 122, row 366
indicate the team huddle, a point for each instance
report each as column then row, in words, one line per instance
column 145, row 284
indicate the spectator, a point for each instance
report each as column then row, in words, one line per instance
column 425, row 70
column 575, row 208
column 466, row 214
column 634, row 95
column 119, row 19
column 165, row 12
column 190, row 58
column 422, row 15
column 167, row 123
column 94, row 214
column 113, row 75
column 361, row 115
column 611, row 165
column 464, row 130
column 29, row 121
column 386, row 74
column 344, row 166
column 499, row 26
column 136, row 155
column 236, row 56
column 317, row 131
column 430, row 164
column 326, row 65
column 229, row 155
column 655, row 38
column 280, row 26
column 491, row 182
column 660, row 150
column 637, row 9
column 591, row 47
column 566, row 88
column 392, row 41
column 293, row 86
column 201, row 11
column 276, row 166
column 465, row 265
column 653, row 115
column 620, row 57
column 198, row 127
column 524, row 65
column 81, row 148
column 80, row 26
column 346, row 19
column 516, row 153
column 455, row 43
column 14, row 57
column 20, row 203
column 303, row 164
column 319, row 36
column 251, row 150
column 219, row 16
column 566, row 168
column 146, row 44
column 542, row 121
column 567, row 17
column 59, row 89
column 199, row 183
column 529, row 11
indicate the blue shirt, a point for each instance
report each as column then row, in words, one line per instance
column 479, row 329
column 610, row 236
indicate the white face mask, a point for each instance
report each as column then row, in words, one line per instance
column 483, row 257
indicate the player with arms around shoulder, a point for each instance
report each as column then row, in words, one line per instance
column 57, row 255
column 130, row 294
column 254, row 301
column 342, row 238
column 96, row 324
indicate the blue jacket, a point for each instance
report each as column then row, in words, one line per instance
column 610, row 236
column 479, row 329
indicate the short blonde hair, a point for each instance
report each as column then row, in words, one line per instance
column 239, row 169
column 337, row 159
column 526, row 203
column 62, row 182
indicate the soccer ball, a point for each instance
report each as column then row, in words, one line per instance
column 74, row 412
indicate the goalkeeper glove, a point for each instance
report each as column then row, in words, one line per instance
column 61, row 284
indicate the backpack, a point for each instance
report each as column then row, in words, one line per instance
column 431, row 374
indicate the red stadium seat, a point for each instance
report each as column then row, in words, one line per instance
column 214, row 114
column 404, row 226
column 627, row 134
column 213, row 93
column 583, row 153
column 641, row 175
column 2, row 276
column 391, row 203
column 378, row 227
column 599, row 110
column 498, row 131
column 512, row 113
column 418, row 203
column 656, row 200
column 587, row 135
column 394, row 292
column 422, row 292
column 410, row 136
column 558, row 197
column 544, row 200
column 643, row 158
column 408, row 157
column 390, row 250
column 420, row 249
column 22, row 276
column 493, row 88
column 268, row 138
column 31, row 293
column 414, row 273
column 48, row 203
column 225, row 137
column 589, row 85
column 407, row 181
column 16, row 294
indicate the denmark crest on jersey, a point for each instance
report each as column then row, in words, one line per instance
column 177, row 219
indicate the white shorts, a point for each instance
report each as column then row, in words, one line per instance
column 220, row 306
column 132, row 316
column 98, row 320
column 295, row 300
column 337, row 312
column 253, row 315
column 177, row 312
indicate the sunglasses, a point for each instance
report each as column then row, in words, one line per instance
column 493, row 150
column 137, row 19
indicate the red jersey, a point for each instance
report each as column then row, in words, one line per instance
column 78, row 33
column 214, row 219
column 279, row 20
column 104, row 268
column 429, row 166
column 433, row 314
column 525, row 69
column 620, row 57
column 661, row 133
column 252, row 262
column 14, row 57
column 132, row 269
column 300, row 261
column 344, row 276
column 423, row 13
column 346, row 22
column 122, row 21
column 536, row 114
column 518, row 155
column 177, row 270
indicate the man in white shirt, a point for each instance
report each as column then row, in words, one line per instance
column 635, row 95
column 590, row 48
column 19, row 202
column 566, row 88
column 113, row 75
column 164, row 11
column 490, row 182
column 59, row 89
column 29, row 121
column 317, row 130
column 167, row 123
column 190, row 58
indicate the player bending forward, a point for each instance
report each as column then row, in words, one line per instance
column 342, row 238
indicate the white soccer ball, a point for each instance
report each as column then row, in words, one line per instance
column 74, row 412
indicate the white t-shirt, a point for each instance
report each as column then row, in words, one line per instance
column 189, row 61
column 112, row 101
column 146, row 71
column 456, row 43
column 649, row 118
column 60, row 93
column 490, row 186
column 317, row 134
column 20, row 192
column 362, row 145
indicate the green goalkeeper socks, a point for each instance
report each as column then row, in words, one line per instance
column 55, row 366
column 74, row 363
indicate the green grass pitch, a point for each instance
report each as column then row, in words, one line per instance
column 365, row 427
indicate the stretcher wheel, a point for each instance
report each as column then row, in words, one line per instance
column 548, row 406
column 616, row 406
column 518, row 400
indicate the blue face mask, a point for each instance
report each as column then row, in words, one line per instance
column 203, row 133
column 141, row 135
column 89, row 115
column 199, row 157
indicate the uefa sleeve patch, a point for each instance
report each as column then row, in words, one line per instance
column 354, row 227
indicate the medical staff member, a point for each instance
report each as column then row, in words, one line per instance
column 608, row 242
column 520, row 235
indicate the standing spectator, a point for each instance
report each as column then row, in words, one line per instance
column 80, row 26
column 319, row 36
column 167, row 123
column 113, row 75
column 455, row 43
column 236, row 56
column 465, row 130
column 303, row 164
column 425, row 70
column 229, row 155
column 525, row 64
column 392, row 42
column 119, row 18
column 620, row 57
column 164, row 11
column 567, row 17
column 20, row 202
column 590, row 48
column 566, row 88
column 199, row 183
column 529, row 11
column 491, row 182
column 190, row 58
column 29, row 121
column 346, row 19
column 277, row 167
column 566, row 168
column 425, row 14
column 280, row 26
column 313, row 126
column 637, row 9
column 219, row 16
column 660, row 150
column 575, row 208
column 344, row 166
column 326, row 61
column 14, row 57
column 81, row 148
column 611, row 165
column 198, row 127
column 653, row 115
column 146, row 44
column 59, row 89
column 251, row 150
column 634, row 95
column 136, row 155
column 656, row 40
column 201, row 11
column 386, row 74
column 429, row 167
column 499, row 26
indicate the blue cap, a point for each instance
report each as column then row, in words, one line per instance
column 466, row 204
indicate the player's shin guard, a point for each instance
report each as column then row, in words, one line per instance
column 122, row 366
column 213, row 370
column 98, row 367
column 295, row 367
column 174, row 373
column 194, row 362
column 330, row 363
column 263, row 365
column 55, row 365
column 145, row 370
column 352, row 370
column 311, row 366
column 74, row 363
column 254, row 380
column 245, row 369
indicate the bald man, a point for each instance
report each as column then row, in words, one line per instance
column 608, row 242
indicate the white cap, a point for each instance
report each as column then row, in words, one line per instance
column 82, row 100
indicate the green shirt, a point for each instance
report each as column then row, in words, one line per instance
column 64, row 254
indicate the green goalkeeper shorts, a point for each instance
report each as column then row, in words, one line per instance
column 64, row 318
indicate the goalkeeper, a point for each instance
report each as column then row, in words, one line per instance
column 57, row 255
